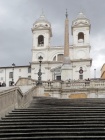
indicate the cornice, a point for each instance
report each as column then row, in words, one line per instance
column 81, row 60
column 47, row 62
column 61, row 47
column 61, row 62
column 43, row 28
column 83, row 46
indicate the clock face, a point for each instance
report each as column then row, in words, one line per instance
column 81, row 71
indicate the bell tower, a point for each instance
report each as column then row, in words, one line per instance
column 42, row 33
column 81, row 47
column 81, row 30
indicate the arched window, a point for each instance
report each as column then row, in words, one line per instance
column 59, row 57
column 81, row 37
column 40, row 40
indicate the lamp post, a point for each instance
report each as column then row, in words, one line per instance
column 94, row 73
column 13, row 65
column 39, row 73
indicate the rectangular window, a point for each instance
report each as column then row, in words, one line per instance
column 10, row 83
column 58, row 77
column 29, row 69
column 29, row 77
column 80, row 76
column 11, row 75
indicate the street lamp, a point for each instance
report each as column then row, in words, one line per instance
column 13, row 65
column 94, row 73
column 39, row 73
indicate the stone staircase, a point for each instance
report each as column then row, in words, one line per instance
column 56, row 119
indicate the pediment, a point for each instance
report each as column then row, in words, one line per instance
column 41, row 27
column 81, row 24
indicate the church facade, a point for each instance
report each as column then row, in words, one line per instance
column 53, row 56
column 79, row 52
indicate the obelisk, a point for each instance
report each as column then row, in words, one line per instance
column 66, row 59
column 66, row 69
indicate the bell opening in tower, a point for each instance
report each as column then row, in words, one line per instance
column 81, row 37
column 40, row 40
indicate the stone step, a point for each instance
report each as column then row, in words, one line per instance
column 35, row 134
column 27, row 129
column 59, row 102
column 67, row 103
column 61, row 109
column 58, row 108
column 48, row 118
column 52, row 102
column 70, row 120
column 67, row 116
column 38, row 122
column 58, row 111
column 31, row 125
column 57, row 138
column 56, row 114
column 61, row 119
column 33, row 117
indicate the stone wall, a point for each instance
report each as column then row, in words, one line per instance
column 13, row 97
column 25, row 81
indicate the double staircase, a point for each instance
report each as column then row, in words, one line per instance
column 56, row 119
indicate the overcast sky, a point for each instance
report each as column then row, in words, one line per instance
column 17, row 18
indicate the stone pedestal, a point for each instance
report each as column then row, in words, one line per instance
column 39, row 91
column 66, row 72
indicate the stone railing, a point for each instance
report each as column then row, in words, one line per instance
column 72, row 89
column 73, row 84
column 77, row 84
column 14, row 97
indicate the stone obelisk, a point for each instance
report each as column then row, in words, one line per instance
column 66, row 69
column 66, row 59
